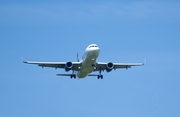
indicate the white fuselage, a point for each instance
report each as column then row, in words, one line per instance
column 88, row 60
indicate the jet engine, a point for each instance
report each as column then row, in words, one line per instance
column 68, row 66
column 109, row 66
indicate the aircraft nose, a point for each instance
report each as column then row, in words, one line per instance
column 97, row 50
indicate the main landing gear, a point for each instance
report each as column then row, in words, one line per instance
column 73, row 75
column 100, row 76
column 94, row 65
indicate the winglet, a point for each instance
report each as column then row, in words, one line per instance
column 144, row 62
column 23, row 60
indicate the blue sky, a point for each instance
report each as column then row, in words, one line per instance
column 126, row 31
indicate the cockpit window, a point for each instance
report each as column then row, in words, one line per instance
column 93, row 46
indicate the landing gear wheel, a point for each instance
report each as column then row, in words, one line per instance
column 73, row 76
column 100, row 76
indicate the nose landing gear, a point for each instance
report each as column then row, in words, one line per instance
column 93, row 63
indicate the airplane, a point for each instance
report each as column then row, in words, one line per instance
column 88, row 64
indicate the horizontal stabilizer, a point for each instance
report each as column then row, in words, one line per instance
column 63, row 74
column 92, row 74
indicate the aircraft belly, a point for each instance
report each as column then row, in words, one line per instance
column 84, row 71
column 87, row 65
column 81, row 74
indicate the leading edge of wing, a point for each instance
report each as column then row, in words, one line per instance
column 35, row 62
column 123, row 64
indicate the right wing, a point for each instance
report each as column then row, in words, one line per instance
column 76, row 65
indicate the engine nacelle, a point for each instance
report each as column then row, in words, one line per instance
column 109, row 66
column 68, row 66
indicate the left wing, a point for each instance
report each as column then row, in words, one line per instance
column 75, row 65
column 109, row 66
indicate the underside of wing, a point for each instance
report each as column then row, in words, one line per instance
column 66, row 65
column 109, row 66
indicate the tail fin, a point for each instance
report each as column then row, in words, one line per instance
column 77, row 57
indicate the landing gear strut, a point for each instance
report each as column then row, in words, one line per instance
column 93, row 63
column 100, row 76
column 73, row 75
